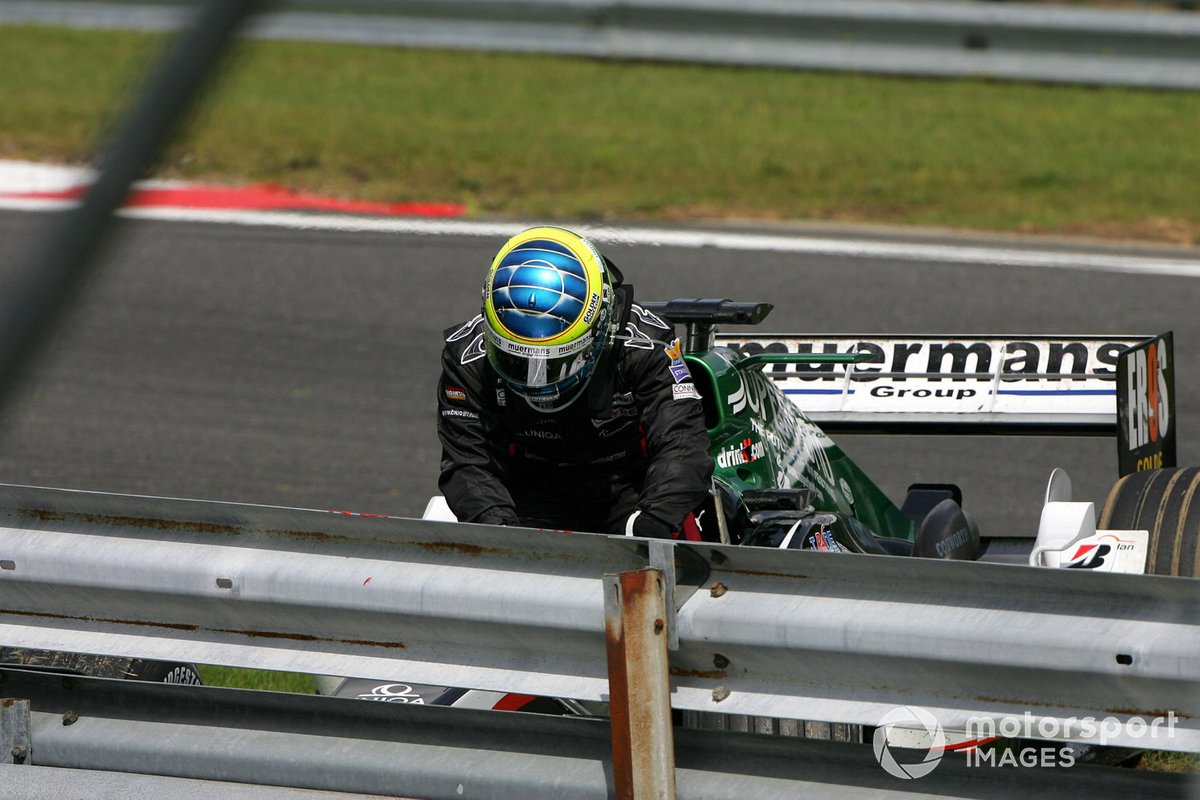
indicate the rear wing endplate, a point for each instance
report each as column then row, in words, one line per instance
column 987, row 384
column 1146, row 405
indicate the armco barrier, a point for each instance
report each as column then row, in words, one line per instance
column 797, row 635
column 130, row 741
column 1022, row 41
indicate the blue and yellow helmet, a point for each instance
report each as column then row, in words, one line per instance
column 547, row 307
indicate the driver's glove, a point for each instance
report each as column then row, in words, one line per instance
column 643, row 523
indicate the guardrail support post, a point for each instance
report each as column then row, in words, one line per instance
column 635, row 629
column 15, row 747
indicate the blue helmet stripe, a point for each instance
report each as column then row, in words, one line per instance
column 563, row 261
column 531, row 326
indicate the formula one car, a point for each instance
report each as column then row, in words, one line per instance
column 771, row 402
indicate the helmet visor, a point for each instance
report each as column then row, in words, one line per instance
column 542, row 371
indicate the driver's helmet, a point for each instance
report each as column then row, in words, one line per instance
column 547, row 309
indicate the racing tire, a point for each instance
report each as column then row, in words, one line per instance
column 1165, row 502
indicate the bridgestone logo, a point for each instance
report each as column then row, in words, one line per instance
column 185, row 675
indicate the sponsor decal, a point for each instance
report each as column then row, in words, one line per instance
column 590, row 313
column 458, row 412
column 540, row 351
column 845, row 487
column 960, row 359
column 1087, row 556
column 393, row 693
column 184, row 675
column 501, row 398
column 952, row 542
column 823, row 540
column 893, row 391
column 455, row 393
column 1146, row 439
column 1018, row 377
column 685, row 391
column 1108, row 551
column 679, row 370
column 535, row 433
column 737, row 401
column 1101, row 552
column 744, row 452
column 800, row 445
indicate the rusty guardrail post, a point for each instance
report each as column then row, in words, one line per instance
column 15, row 747
column 635, row 629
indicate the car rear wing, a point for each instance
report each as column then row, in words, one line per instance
column 1083, row 385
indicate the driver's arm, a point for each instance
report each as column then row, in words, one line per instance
column 471, row 475
column 680, row 470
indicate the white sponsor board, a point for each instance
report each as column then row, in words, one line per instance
column 1002, row 380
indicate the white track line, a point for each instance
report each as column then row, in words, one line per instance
column 971, row 255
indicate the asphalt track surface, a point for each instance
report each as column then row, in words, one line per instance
column 298, row 368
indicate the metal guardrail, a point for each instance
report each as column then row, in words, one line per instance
column 128, row 735
column 56, row 783
column 764, row 632
column 1019, row 41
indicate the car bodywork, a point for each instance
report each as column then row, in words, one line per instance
column 771, row 402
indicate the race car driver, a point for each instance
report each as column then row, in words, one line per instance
column 564, row 405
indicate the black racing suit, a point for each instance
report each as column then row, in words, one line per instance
column 635, row 441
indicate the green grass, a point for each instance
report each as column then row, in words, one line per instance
column 257, row 679
column 561, row 138
column 1163, row 761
